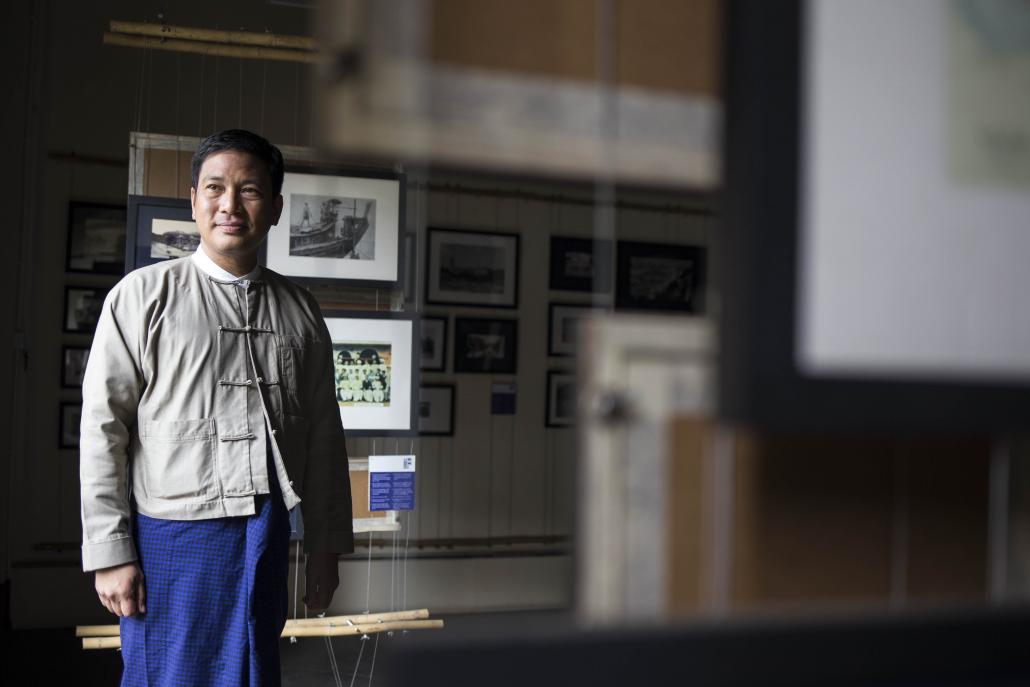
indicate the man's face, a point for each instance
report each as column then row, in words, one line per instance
column 234, row 205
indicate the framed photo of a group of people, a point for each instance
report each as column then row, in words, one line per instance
column 338, row 226
column 159, row 229
column 472, row 268
column 374, row 364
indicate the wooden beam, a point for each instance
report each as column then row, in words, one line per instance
column 217, row 49
column 328, row 621
column 267, row 40
column 347, row 630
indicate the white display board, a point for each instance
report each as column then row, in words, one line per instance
column 915, row 193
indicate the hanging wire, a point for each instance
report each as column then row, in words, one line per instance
column 239, row 103
column 264, row 79
column 407, row 532
column 178, row 71
column 200, row 114
column 372, row 667
column 214, row 97
column 357, row 663
column 296, row 105
column 334, row 667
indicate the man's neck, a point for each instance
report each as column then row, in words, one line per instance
column 237, row 267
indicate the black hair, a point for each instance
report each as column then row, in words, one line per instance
column 243, row 141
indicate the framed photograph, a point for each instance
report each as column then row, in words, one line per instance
column 434, row 343
column 485, row 345
column 159, row 229
column 561, row 327
column 472, row 268
column 655, row 276
column 561, row 399
column 436, row 410
column 374, row 360
column 82, row 305
column 96, row 238
column 337, row 227
column 73, row 366
column 579, row 264
column 68, row 427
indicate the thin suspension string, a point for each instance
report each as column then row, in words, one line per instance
column 239, row 102
column 375, row 650
column 334, row 667
column 149, row 57
column 200, row 114
column 511, row 423
column 357, row 663
column 178, row 71
column 214, row 97
column 407, row 534
column 368, row 580
column 264, row 79
column 296, row 105
column 439, row 482
column 393, row 548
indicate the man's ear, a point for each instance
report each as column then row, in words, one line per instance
column 278, row 208
column 193, row 203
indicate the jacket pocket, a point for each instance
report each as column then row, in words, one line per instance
column 179, row 457
column 295, row 355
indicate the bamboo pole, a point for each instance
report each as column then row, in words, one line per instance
column 347, row 630
column 328, row 621
column 267, row 40
column 200, row 48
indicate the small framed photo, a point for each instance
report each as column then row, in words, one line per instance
column 68, row 429
column 579, row 264
column 73, row 366
column 159, row 229
column 434, row 343
column 485, row 345
column 472, row 268
column 562, row 321
column 374, row 360
column 339, row 227
column 655, row 276
column 561, row 399
column 96, row 238
column 436, row 410
column 82, row 306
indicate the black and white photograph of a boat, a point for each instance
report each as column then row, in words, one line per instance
column 330, row 227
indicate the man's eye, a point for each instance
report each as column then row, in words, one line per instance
column 213, row 187
column 250, row 191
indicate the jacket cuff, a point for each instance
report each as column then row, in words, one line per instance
column 328, row 542
column 107, row 554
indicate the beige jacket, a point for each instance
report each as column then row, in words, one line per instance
column 187, row 378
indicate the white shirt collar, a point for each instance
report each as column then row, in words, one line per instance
column 204, row 262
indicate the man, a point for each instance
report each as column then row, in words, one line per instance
column 209, row 411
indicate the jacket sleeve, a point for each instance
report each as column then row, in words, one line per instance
column 328, row 518
column 111, row 389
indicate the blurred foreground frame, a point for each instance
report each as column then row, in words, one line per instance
column 622, row 91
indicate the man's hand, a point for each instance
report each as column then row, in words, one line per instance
column 321, row 580
column 121, row 589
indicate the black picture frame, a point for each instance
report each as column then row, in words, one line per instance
column 433, row 343
column 580, row 264
column 68, row 418
column 467, row 281
column 436, row 410
column 96, row 238
column 558, row 332
column 369, row 417
column 178, row 241
column 281, row 253
column 557, row 412
column 659, row 276
column 82, row 306
column 758, row 266
column 73, row 365
column 477, row 342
